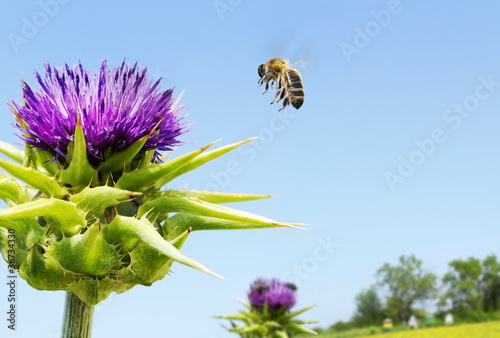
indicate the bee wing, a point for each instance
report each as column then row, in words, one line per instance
column 304, row 56
column 301, row 57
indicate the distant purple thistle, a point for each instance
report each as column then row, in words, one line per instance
column 276, row 294
column 115, row 107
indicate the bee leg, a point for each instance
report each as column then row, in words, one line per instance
column 279, row 95
column 285, row 103
column 267, row 87
column 276, row 96
column 283, row 93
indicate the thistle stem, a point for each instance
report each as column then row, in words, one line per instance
column 77, row 321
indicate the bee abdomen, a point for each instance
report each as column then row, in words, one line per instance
column 296, row 90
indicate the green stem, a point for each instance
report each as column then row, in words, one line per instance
column 77, row 321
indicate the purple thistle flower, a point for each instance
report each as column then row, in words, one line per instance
column 115, row 108
column 276, row 294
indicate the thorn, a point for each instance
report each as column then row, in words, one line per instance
column 214, row 274
column 248, row 140
column 202, row 149
column 178, row 99
column 290, row 225
column 132, row 193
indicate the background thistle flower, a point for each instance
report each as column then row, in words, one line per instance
column 92, row 217
column 270, row 302
column 277, row 296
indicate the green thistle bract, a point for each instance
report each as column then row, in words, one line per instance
column 91, row 217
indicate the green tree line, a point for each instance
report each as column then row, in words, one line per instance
column 470, row 290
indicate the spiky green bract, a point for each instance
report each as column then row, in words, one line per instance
column 35, row 179
column 258, row 324
column 79, row 172
column 191, row 205
column 215, row 196
column 144, row 178
column 96, row 229
column 10, row 190
column 12, row 152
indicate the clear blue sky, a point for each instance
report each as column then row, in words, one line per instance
column 395, row 150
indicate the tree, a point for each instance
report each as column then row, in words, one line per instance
column 490, row 284
column 341, row 326
column 406, row 283
column 463, row 283
column 369, row 309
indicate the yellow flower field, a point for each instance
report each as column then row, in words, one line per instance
column 489, row 329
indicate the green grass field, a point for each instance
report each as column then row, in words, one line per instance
column 480, row 330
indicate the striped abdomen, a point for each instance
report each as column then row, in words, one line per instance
column 294, row 88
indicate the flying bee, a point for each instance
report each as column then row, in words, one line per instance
column 288, row 82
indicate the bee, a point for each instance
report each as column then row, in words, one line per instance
column 288, row 82
column 260, row 288
column 291, row 286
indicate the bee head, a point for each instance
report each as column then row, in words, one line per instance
column 261, row 70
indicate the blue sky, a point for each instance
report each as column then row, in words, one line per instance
column 393, row 152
